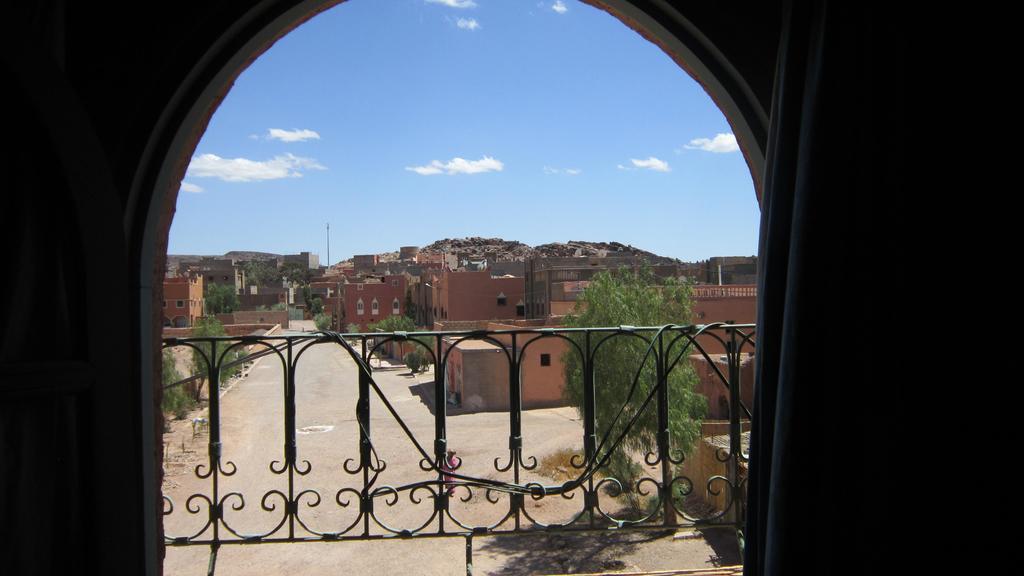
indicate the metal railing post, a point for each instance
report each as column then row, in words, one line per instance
column 589, row 423
column 363, row 417
column 735, row 431
column 215, row 446
column 663, row 434
column 440, row 432
column 290, row 445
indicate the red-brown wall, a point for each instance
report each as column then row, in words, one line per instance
column 386, row 292
column 189, row 291
column 474, row 296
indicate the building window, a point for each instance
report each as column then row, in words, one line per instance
column 359, row 307
column 501, row 299
column 374, row 307
column 394, row 283
column 395, row 307
column 520, row 309
column 359, row 287
column 545, row 359
column 180, row 303
column 165, row 303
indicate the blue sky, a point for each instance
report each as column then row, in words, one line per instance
column 401, row 122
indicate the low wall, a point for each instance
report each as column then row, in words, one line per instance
column 703, row 463
column 229, row 329
column 270, row 317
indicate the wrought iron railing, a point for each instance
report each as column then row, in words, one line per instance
column 664, row 348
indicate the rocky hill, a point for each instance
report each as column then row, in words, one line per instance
column 501, row 249
column 477, row 247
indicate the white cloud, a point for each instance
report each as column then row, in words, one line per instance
column 454, row 3
column 569, row 171
column 651, row 163
column 470, row 24
column 189, row 187
column 560, row 7
column 720, row 144
column 245, row 170
column 459, row 166
column 292, row 135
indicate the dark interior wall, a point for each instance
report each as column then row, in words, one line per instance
column 96, row 93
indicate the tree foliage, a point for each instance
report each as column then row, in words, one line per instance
column 176, row 399
column 316, row 306
column 296, row 273
column 221, row 299
column 405, row 324
column 322, row 321
column 261, row 273
column 634, row 298
column 208, row 327
column 394, row 324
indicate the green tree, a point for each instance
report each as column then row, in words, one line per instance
column 296, row 273
column 404, row 324
column 634, row 298
column 209, row 327
column 176, row 399
column 260, row 273
column 394, row 324
column 353, row 328
column 316, row 306
column 221, row 299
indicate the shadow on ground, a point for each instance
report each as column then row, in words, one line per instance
column 591, row 552
column 723, row 542
column 425, row 392
column 566, row 553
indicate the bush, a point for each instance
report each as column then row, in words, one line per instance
column 414, row 361
column 323, row 321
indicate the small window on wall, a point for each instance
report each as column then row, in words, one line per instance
column 181, row 303
column 501, row 299
column 374, row 307
column 395, row 307
column 545, row 359
column 359, row 307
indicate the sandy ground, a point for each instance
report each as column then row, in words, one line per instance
column 252, row 434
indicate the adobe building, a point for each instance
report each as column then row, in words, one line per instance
column 371, row 301
column 543, row 273
column 408, row 252
column 183, row 300
column 365, row 262
column 476, row 296
column 220, row 271
column 711, row 386
column 311, row 261
column 731, row 270
column 440, row 260
column 477, row 373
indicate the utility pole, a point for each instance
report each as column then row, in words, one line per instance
column 328, row 244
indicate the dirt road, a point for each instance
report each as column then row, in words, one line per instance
column 252, row 434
